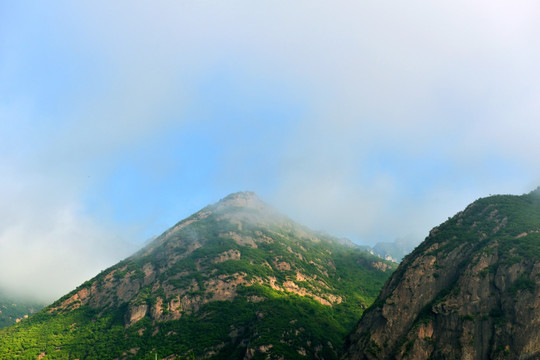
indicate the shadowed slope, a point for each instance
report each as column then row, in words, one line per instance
column 469, row 291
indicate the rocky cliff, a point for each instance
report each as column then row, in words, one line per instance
column 471, row 290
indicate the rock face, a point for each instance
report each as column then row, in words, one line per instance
column 471, row 290
column 235, row 280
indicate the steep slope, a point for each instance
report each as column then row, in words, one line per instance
column 469, row 291
column 236, row 280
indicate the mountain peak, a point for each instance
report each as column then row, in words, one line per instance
column 235, row 280
column 242, row 199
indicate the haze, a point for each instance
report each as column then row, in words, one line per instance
column 369, row 120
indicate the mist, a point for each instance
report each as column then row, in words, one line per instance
column 365, row 120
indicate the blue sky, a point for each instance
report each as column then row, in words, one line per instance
column 369, row 120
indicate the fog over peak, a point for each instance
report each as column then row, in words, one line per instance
column 366, row 120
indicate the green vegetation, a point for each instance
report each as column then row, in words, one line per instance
column 522, row 283
column 12, row 308
column 81, row 334
column 218, row 286
column 505, row 225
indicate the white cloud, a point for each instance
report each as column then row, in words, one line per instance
column 47, row 244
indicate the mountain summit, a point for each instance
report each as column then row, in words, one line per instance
column 471, row 290
column 236, row 280
column 245, row 199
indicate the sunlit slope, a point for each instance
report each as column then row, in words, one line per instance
column 235, row 280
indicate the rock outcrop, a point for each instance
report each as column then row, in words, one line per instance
column 471, row 290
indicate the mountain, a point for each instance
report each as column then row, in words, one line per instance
column 236, row 280
column 14, row 308
column 393, row 251
column 469, row 291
